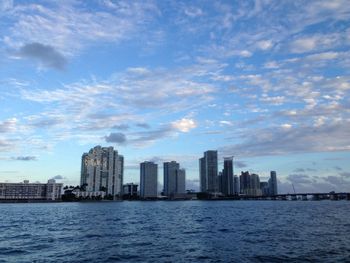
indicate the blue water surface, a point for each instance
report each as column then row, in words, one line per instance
column 176, row 231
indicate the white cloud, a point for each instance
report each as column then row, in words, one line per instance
column 184, row 125
column 277, row 100
column 271, row 65
column 286, row 126
column 69, row 26
column 226, row 123
column 264, row 44
column 9, row 125
column 245, row 53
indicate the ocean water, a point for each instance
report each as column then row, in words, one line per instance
column 176, row 231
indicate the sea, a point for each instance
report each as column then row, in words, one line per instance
column 176, row 231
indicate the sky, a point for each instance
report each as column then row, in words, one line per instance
column 267, row 82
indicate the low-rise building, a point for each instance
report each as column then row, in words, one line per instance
column 51, row 191
column 130, row 190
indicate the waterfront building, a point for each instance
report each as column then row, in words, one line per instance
column 208, row 171
column 181, row 181
column 51, row 191
column 130, row 190
column 264, row 186
column 102, row 169
column 219, row 183
column 148, row 180
column 174, row 179
column 88, row 195
column 244, row 182
column 250, row 184
column 227, row 177
column 255, row 185
column 235, row 185
column 273, row 183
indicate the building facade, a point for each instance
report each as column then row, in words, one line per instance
column 208, row 172
column 51, row 191
column 227, row 177
column 148, row 180
column 273, row 183
column 102, row 169
column 130, row 190
column 174, row 179
column 236, row 185
column 250, row 184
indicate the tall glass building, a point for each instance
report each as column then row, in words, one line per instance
column 273, row 183
column 208, row 171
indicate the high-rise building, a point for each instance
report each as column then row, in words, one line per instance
column 208, row 171
column 273, row 183
column 180, row 181
column 244, row 182
column 102, row 169
column 148, row 180
column 250, row 184
column 227, row 177
column 219, row 182
column 255, row 185
column 174, row 179
column 235, row 185
column 264, row 186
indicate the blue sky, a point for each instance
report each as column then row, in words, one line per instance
column 265, row 81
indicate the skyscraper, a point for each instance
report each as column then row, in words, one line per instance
column 208, row 171
column 244, row 182
column 250, row 184
column 148, row 180
column 255, row 185
column 235, row 185
column 273, row 183
column 227, row 177
column 102, row 169
column 180, row 181
column 174, row 179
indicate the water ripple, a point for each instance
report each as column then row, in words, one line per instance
column 193, row 231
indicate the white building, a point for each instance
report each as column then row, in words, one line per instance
column 102, row 169
column 148, row 180
column 31, row 191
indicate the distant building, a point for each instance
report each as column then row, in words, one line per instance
column 102, row 169
column 181, row 181
column 273, row 183
column 255, row 185
column 227, row 177
column 130, row 190
column 250, row 184
column 174, row 179
column 91, row 195
column 50, row 191
column 235, row 185
column 208, row 171
column 244, row 180
column 148, row 180
column 264, row 186
column 219, row 183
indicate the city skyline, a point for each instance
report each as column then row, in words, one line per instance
column 265, row 82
